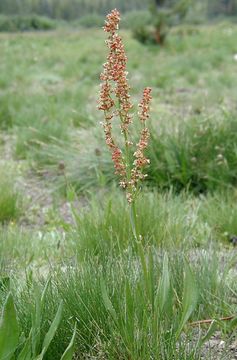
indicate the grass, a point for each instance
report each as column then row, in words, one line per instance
column 193, row 107
column 116, row 319
column 73, row 225
column 198, row 156
column 98, row 229
column 10, row 199
column 99, row 251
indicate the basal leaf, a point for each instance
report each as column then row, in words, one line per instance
column 68, row 353
column 9, row 329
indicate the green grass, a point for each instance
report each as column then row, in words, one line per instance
column 10, row 199
column 101, row 227
column 198, row 156
column 193, row 115
column 100, row 274
column 113, row 304
column 74, row 225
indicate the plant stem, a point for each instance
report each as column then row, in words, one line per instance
column 133, row 220
column 209, row 321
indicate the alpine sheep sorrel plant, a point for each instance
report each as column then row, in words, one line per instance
column 115, row 102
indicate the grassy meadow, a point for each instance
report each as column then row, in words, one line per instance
column 65, row 236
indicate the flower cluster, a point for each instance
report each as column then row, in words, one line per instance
column 113, row 19
column 140, row 158
column 115, row 71
column 115, row 102
column 144, row 114
column 120, row 168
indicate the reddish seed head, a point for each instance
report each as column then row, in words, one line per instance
column 105, row 102
column 111, row 25
column 115, row 103
column 117, row 158
column 115, row 74
column 145, row 104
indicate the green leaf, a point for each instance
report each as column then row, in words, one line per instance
column 52, row 330
column 190, row 297
column 232, row 324
column 36, row 322
column 45, row 292
column 9, row 329
column 25, row 353
column 164, row 291
column 108, row 304
column 210, row 332
column 142, row 257
column 5, row 283
column 37, row 316
column 68, row 353
column 70, row 193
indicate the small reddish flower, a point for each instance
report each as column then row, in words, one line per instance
column 112, row 21
column 118, row 160
column 106, row 103
column 145, row 104
column 140, row 159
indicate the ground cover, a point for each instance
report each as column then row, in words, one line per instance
column 64, row 222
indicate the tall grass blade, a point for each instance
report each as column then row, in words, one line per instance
column 233, row 324
column 164, row 290
column 68, row 353
column 36, row 323
column 51, row 332
column 190, row 297
column 25, row 353
column 9, row 329
column 210, row 332
column 107, row 303
column 45, row 292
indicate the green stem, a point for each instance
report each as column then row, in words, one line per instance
column 133, row 220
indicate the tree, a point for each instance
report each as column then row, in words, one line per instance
column 222, row 7
column 164, row 14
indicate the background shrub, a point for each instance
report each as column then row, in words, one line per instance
column 25, row 23
column 91, row 21
column 136, row 18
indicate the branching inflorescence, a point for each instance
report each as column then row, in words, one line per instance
column 115, row 102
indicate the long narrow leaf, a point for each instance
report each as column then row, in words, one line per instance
column 108, row 304
column 68, row 353
column 232, row 324
column 36, row 322
column 190, row 297
column 51, row 332
column 25, row 353
column 162, row 299
column 45, row 292
column 210, row 332
column 9, row 329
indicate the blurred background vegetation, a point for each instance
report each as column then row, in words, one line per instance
column 77, row 9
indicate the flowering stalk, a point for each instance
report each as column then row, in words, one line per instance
column 115, row 103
